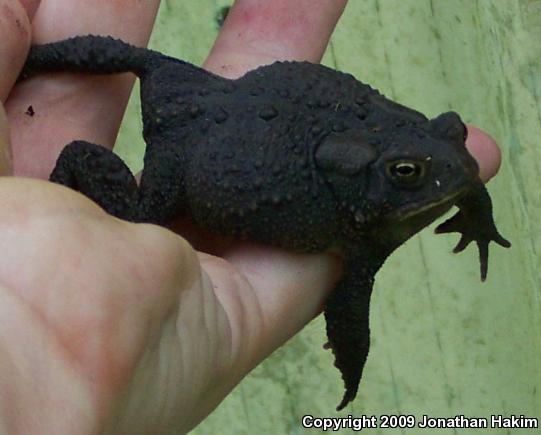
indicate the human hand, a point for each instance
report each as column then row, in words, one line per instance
column 108, row 317
column 91, row 306
column 261, row 296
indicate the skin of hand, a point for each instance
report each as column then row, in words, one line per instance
column 114, row 327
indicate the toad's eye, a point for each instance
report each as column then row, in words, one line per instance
column 406, row 173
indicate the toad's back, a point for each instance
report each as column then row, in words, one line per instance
column 248, row 151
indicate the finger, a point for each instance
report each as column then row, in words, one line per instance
column 258, row 32
column 485, row 150
column 31, row 6
column 68, row 107
column 14, row 42
column 269, row 294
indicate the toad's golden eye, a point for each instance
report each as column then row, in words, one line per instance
column 406, row 172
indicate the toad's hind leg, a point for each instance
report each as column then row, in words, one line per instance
column 161, row 191
column 347, row 316
column 99, row 174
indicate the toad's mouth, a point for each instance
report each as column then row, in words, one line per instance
column 436, row 208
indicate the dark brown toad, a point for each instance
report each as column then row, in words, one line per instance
column 292, row 154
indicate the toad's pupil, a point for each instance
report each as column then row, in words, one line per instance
column 405, row 169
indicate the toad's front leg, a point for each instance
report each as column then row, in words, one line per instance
column 347, row 315
column 475, row 222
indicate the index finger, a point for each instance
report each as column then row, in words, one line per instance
column 258, row 32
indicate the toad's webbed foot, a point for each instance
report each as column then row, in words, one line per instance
column 98, row 173
column 347, row 316
column 475, row 222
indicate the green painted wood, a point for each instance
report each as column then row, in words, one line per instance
column 444, row 344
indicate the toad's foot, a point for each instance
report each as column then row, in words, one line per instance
column 475, row 222
column 347, row 316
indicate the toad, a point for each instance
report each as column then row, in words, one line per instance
column 292, row 154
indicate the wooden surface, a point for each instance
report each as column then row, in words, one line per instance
column 443, row 343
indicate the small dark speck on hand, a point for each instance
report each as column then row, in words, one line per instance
column 221, row 15
column 30, row 111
